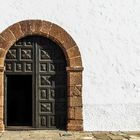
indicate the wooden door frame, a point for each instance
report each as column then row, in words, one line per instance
column 74, row 64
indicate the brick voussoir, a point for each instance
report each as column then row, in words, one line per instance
column 73, row 52
column 16, row 30
column 62, row 36
column 2, row 52
column 6, row 40
column 46, row 27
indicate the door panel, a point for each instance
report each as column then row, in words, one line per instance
column 50, row 77
column 19, row 58
column 45, row 61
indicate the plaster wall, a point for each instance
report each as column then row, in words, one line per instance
column 107, row 33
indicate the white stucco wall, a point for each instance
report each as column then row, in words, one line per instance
column 108, row 35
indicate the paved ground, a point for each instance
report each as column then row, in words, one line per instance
column 62, row 135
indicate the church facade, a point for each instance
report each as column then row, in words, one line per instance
column 70, row 65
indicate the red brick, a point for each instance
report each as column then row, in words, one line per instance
column 78, row 113
column 71, row 113
column 74, row 101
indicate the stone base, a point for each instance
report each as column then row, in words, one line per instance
column 75, row 126
column 1, row 127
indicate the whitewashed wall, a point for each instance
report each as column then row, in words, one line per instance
column 108, row 35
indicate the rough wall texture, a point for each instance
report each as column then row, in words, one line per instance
column 108, row 35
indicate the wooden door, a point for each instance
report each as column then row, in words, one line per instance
column 45, row 62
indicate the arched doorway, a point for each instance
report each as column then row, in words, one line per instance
column 36, row 84
column 73, row 60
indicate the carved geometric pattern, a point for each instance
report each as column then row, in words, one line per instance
column 52, row 94
column 19, row 43
column 46, row 107
column 11, row 54
column 43, row 94
column 77, row 90
column 43, row 67
column 51, row 67
column 44, row 55
column 27, row 43
column 52, row 121
column 43, row 120
column 9, row 66
column 26, row 54
column 28, row 67
column 45, row 80
column 18, row 67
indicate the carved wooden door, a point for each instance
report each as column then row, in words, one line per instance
column 45, row 61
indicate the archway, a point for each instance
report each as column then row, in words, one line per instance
column 73, row 58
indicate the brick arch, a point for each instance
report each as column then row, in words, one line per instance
column 74, row 69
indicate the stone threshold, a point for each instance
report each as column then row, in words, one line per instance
column 69, row 135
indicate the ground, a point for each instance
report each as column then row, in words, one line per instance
column 63, row 135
